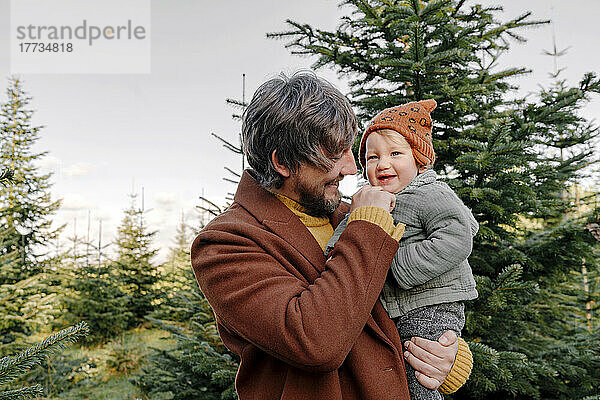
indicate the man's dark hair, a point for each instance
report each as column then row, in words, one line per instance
column 303, row 118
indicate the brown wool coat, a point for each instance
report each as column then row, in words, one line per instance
column 305, row 327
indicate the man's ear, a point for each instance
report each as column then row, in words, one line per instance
column 282, row 169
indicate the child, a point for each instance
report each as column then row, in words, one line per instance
column 429, row 277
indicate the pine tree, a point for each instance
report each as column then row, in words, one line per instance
column 96, row 297
column 91, row 292
column 25, row 224
column 27, row 206
column 133, row 263
column 177, row 269
column 508, row 158
column 177, row 278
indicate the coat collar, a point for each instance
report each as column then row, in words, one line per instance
column 272, row 213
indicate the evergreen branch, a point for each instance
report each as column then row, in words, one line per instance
column 228, row 145
column 415, row 6
column 232, row 172
column 467, row 89
column 19, row 286
column 211, row 211
column 458, row 7
column 433, row 6
column 471, row 144
column 42, row 302
column 367, row 10
column 440, row 56
column 593, row 397
column 519, row 22
column 210, row 203
column 236, row 103
column 12, row 367
column 25, row 393
column 518, row 38
column 477, row 347
column 394, row 62
column 401, row 12
column 506, row 74
column 560, row 104
column 7, row 176
column 231, row 181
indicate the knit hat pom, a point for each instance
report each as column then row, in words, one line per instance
column 411, row 120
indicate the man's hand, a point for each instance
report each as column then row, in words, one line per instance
column 373, row 196
column 431, row 360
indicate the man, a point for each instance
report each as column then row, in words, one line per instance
column 307, row 327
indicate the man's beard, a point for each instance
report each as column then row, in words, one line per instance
column 314, row 201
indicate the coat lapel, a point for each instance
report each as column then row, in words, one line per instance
column 279, row 219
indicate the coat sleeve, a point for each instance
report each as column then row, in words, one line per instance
column 449, row 227
column 263, row 299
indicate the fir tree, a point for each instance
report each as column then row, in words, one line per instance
column 96, row 297
column 177, row 278
column 26, row 207
column 91, row 291
column 509, row 160
column 25, row 219
column 133, row 263
column 177, row 269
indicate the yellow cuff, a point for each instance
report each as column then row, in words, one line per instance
column 463, row 364
column 380, row 217
column 398, row 232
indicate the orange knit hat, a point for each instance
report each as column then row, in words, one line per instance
column 411, row 120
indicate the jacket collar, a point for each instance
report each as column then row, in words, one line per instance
column 272, row 213
column 424, row 178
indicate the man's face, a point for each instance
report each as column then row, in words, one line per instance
column 318, row 190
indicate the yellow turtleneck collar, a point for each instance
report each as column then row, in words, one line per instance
column 319, row 227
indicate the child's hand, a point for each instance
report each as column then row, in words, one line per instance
column 373, row 196
column 431, row 360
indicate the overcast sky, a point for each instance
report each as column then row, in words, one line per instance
column 108, row 135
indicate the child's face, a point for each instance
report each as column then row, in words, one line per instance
column 390, row 161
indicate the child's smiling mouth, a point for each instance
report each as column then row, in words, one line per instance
column 384, row 178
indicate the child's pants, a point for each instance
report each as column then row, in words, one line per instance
column 429, row 322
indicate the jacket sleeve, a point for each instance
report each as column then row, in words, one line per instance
column 263, row 299
column 449, row 227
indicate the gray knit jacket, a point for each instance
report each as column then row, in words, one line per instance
column 431, row 264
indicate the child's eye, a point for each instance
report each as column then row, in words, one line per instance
column 371, row 157
column 396, row 153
